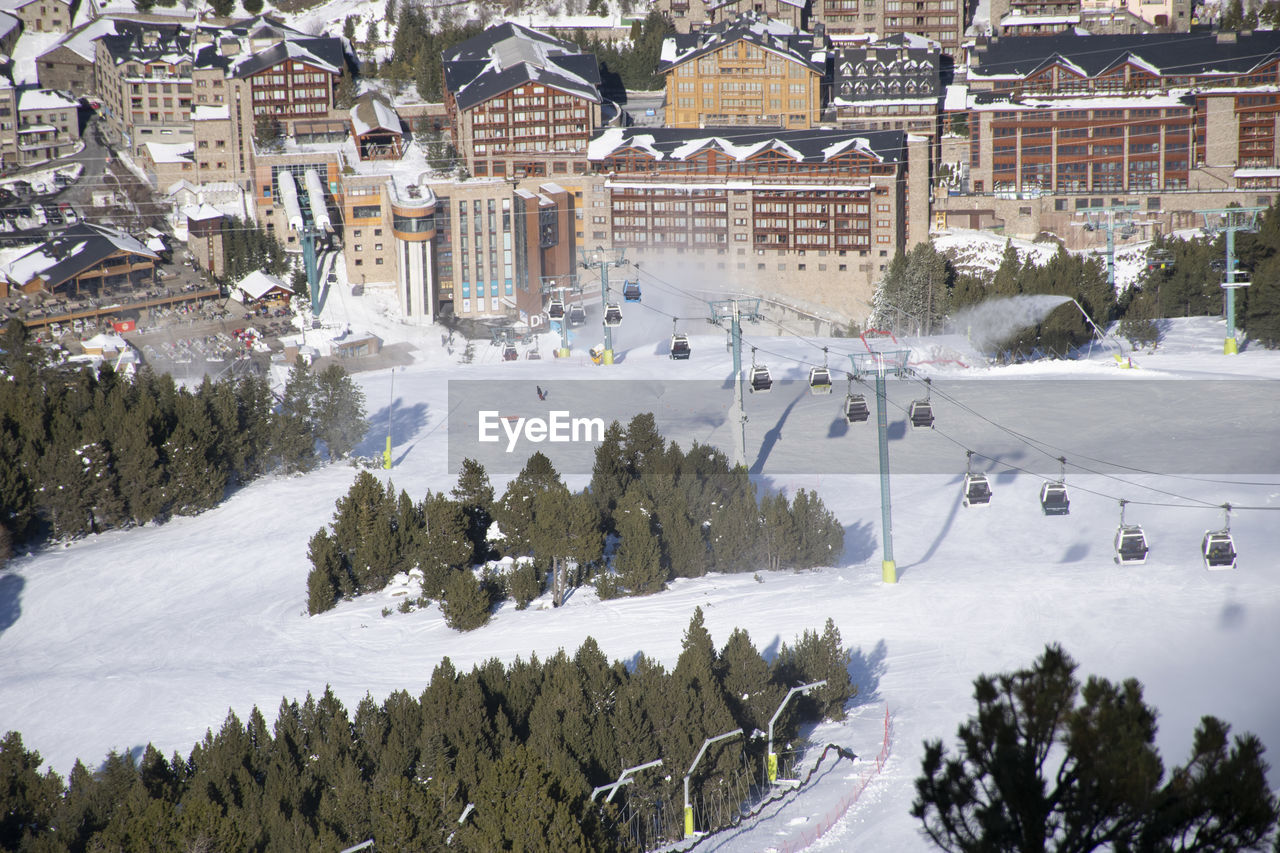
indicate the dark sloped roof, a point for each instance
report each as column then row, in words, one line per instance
column 1174, row 54
column 812, row 145
column 129, row 41
column 750, row 27
column 318, row 51
column 509, row 55
column 75, row 250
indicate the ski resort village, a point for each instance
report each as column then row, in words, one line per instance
column 599, row 425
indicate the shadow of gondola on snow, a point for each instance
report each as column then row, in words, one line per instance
column 1075, row 553
column 10, row 600
column 839, row 427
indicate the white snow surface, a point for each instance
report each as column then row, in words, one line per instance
column 152, row 634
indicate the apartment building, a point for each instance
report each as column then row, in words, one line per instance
column 751, row 70
column 1171, row 123
column 142, row 73
column 48, row 126
column 42, row 16
column 888, row 84
column 942, row 21
column 807, row 217
column 36, row 126
column 690, row 15
column 521, row 103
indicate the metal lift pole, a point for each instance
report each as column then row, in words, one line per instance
column 738, row 413
column 1230, row 346
column 604, row 311
column 888, row 568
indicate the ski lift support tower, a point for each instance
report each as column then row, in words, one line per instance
column 1230, row 220
column 602, row 259
column 732, row 312
column 1113, row 218
column 882, row 363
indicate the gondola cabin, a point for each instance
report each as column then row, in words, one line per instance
column 1219, row 551
column 509, row 352
column 855, row 408
column 1131, row 545
column 977, row 490
column 1053, row 499
column 555, row 308
column 680, row 349
column 759, row 380
column 819, row 380
column 921, row 414
column 631, row 291
column 577, row 315
column 613, row 314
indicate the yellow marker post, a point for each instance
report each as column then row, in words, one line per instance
column 688, row 821
column 386, row 455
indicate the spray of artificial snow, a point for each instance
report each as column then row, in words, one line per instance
column 988, row 323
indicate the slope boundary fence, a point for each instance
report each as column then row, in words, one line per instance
column 838, row 811
column 832, row 815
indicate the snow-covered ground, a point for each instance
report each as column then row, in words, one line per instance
column 151, row 635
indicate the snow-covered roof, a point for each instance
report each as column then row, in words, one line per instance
column 8, row 23
column 1015, row 19
column 170, row 152
column 44, row 99
column 773, row 36
column 956, row 99
column 105, row 341
column 200, row 212
column 70, row 253
column 1175, row 54
column 258, row 284
column 372, row 113
column 509, row 55
column 810, row 146
column 204, row 112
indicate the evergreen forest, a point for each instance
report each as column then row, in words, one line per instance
column 651, row 513
column 522, row 744
column 921, row 289
column 83, row 451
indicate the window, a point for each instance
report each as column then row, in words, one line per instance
column 844, row 268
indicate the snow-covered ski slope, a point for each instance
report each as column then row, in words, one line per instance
column 151, row 635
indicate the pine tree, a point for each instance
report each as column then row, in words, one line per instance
column 338, row 411
column 818, row 535
column 610, row 474
column 746, row 680
column 1046, row 764
column 474, row 492
column 28, row 800
column 465, row 605
column 292, row 439
column 638, row 559
column 327, row 573
column 514, row 513
column 441, row 546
